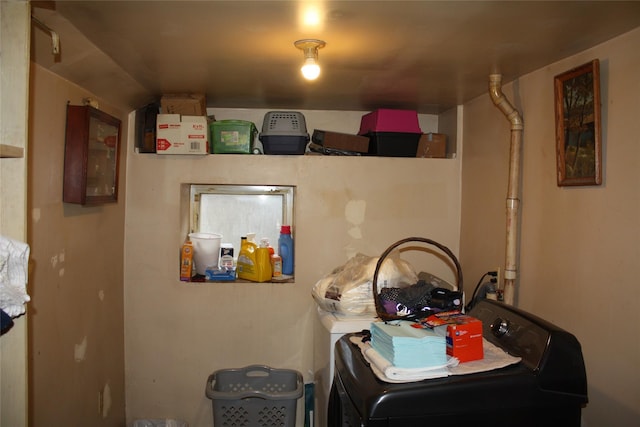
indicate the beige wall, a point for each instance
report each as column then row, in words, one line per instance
column 76, row 353
column 14, row 81
column 177, row 334
column 580, row 247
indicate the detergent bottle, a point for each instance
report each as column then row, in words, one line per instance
column 254, row 262
column 246, row 266
column 263, row 262
column 285, row 250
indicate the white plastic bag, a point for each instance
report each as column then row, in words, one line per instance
column 347, row 289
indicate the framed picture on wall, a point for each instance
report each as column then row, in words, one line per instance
column 578, row 129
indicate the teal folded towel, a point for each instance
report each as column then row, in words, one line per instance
column 407, row 347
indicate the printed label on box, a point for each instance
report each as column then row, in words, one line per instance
column 230, row 137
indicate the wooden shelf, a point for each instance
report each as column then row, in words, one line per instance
column 10, row 151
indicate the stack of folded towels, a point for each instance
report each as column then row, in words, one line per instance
column 405, row 346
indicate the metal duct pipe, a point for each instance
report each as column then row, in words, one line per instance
column 55, row 39
column 513, row 189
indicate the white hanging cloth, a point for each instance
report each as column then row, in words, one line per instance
column 14, row 265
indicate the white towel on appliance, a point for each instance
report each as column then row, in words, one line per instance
column 386, row 371
column 494, row 358
column 14, row 265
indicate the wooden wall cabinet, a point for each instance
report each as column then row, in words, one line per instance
column 91, row 156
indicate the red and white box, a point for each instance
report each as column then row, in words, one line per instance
column 464, row 338
column 178, row 134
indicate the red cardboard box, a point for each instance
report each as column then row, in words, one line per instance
column 464, row 338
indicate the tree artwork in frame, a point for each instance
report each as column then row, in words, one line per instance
column 578, row 132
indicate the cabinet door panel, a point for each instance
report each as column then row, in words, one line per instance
column 91, row 156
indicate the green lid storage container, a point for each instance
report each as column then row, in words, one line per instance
column 232, row 136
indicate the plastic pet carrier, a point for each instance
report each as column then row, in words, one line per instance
column 284, row 132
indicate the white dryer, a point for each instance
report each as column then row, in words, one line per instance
column 329, row 327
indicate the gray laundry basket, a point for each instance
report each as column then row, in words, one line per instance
column 160, row 422
column 254, row 396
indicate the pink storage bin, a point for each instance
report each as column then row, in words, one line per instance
column 386, row 120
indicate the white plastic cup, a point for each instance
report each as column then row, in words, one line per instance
column 206, row 250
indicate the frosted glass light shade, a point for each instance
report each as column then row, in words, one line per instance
column 310, row 69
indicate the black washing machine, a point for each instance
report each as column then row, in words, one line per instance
column 548, row 387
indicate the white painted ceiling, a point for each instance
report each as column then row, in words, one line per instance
column 422, row 55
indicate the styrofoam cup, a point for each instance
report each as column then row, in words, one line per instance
column 206, row 250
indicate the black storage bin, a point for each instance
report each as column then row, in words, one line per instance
column 393, row 144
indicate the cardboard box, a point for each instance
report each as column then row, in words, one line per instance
column 341, row 141
column 177, row 134
column 464, row 338
column 220, row 275
column 185, row 104
column 433, row 145
column 186, row 261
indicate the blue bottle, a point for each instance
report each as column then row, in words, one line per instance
column 285, row 250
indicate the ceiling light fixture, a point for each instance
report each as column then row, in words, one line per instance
column 310, row 69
